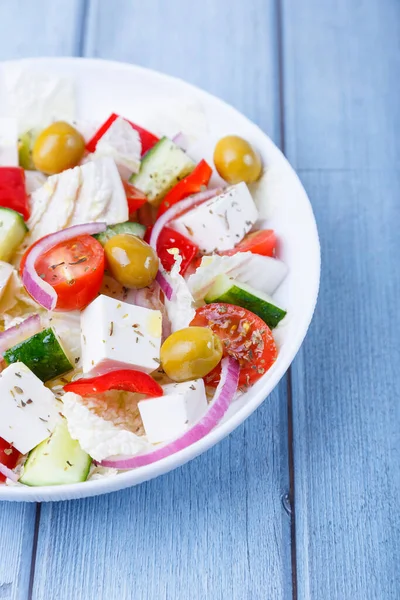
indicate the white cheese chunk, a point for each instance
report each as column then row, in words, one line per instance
column 123, row 144
column 167, row 417
column 180, row 309
column 28, row 410
column 33, row 181
column 89, row 193
column 221, row 222
column 99, row 437
column 8, row 142
column 120, row 335
column 6, row 270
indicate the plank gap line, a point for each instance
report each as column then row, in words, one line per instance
column 34, row 550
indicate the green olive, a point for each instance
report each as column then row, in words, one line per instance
column 131, row 261
column 58, row 147
column 190, row 353
column 236, row 160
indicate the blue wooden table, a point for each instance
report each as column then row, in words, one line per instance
column 302, row 501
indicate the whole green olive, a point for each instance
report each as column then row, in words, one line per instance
column 57, row 148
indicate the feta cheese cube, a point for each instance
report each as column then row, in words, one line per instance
column 167, row 417
column 8, row 142
column 120, row 335
column 221, row 222
column 123, row 144
column 28, row 410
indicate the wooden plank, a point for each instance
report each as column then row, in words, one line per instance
column 29, row 29
column 216, row 528
column 342, row 67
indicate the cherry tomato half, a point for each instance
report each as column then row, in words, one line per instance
column 9, row 456
column 244, row 336
column 260, row 242
column 74, row 269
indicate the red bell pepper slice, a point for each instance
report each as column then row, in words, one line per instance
column 127, row 380
column 191, row 184
column 135, row 197
column 12, row 190
column 169, row 238
column 148, row 139
column 9, row 456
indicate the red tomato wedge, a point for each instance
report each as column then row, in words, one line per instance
column 128, row 380
column 191, row 184
column 260, row 242
column 169, row 238
column 12, row 190
column 74, row 269
column 135, row 197
column 148, row 139
column 9, row 456
column 245, row 337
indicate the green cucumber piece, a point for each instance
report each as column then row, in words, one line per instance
column 128, row 227
column 12, row 232
column 26, row 142
column 225, row 289
column 161, row 168
column 56, row 461
column 42, row 354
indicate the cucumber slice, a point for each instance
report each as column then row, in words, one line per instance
column 42, row 353
column 56, row 461
column 25, row 147
column 12, row 232
column 128, row 227
column 161, row 168
column 225, row 289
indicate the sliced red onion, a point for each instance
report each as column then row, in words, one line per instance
column 164, row 285
column 14, row 335
column 177, row 209
column 40, row 290
column 181, row 140
column 223, row 396
column 8, row 473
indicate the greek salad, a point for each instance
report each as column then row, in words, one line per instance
column 136, row 294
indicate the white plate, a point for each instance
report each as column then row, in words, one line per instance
column 164, row 103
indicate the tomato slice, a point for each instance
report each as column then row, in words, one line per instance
column 9, row 456
column 12, row 190
column 74, row 269
column 169, row 238
column 245, row 337
column 192, row 184
column 148, row 139
column 259, row 242
column 135, row 197
column 128, row 380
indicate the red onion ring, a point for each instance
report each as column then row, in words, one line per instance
column 164, row 285
column 8, row 473
column 40, row 290
column 223, row 396
column 14, row 335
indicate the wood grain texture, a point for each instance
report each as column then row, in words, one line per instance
column 216, row 528
column 342, row 67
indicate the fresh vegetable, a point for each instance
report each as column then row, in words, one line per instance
column 74, row 269
column 9, row 458
column 168, row 240
column 12, row 190
column 25, row 147
column 42, row 354
column 131, row 261
column 162, row 167
column 191, row 184
column 190, row 353
column 128, row 380
column 12, row 232
column 136, row 199
column 148, row 139
column 20, row 332
column 57, row 148
column 40, row 290
column 244, row 336
column 228, row 290
column 56, row 461
column 259, row 242
column 223, row 397
column 129, row 227
column 236, row 160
